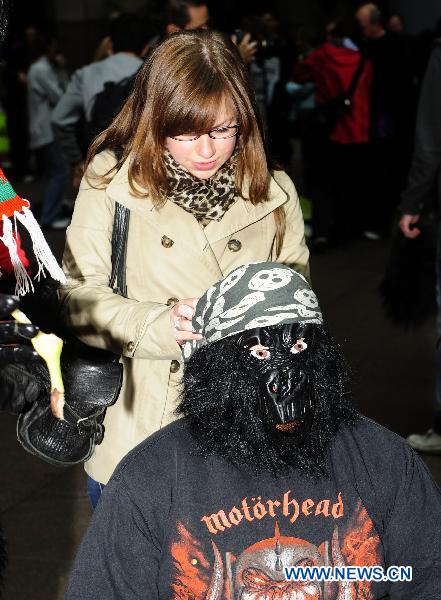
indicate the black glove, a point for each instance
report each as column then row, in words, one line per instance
column 14, row 337
column 19, row 363
column 19, row 387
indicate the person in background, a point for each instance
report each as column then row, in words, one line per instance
column 395, row 23
column 264, row 70
column 128, row 43
column 18, row 55
column 393, row 107
column 194, row 14
column 186, row 14
column 425, row 180
column 46, row 82
column 302, row 103
column 338, row 197
column 185, row 155
column 269, row 71
column 176, row 15
column 103, row 50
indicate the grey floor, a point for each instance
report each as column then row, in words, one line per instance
column 44, row 510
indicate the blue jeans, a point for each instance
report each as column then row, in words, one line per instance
column 54, row 173
column 94, row 489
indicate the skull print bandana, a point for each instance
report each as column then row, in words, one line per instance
column 253, row 295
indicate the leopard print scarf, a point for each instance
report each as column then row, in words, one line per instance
column 206, row 199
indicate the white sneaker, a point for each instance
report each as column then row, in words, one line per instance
column 60, row 223
column 372, row 235
column 426, row 442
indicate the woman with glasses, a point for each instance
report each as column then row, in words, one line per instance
column 186, row 156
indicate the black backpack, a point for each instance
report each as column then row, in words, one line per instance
column 107, row 105
column 325, row 117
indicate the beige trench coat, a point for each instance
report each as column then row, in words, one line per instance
column 169, row 255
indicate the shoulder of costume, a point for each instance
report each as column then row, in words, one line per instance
column 374, row 436
column 163, row 443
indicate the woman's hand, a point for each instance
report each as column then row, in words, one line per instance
column 180, row 320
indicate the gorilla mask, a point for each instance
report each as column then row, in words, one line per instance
column 286, row 404
column 267, row 386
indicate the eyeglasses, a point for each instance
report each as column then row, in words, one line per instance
column 219, row 133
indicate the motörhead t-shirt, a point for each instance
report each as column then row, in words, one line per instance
column 172, row 525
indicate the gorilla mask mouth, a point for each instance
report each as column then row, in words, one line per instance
column 288, row 427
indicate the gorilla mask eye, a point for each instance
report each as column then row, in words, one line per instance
column 260, row 352
column 299, row 346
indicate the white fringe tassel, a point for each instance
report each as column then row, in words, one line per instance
column 45, row 258
column 23, row 281
column 43, row 254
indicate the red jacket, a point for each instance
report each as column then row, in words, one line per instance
column 331, row 68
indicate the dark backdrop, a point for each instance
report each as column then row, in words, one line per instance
column 80, row 24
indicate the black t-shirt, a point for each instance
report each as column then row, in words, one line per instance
column 173, row 525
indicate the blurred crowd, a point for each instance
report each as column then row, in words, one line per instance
column 300, row 78
column 52, row 118
column 357, row 156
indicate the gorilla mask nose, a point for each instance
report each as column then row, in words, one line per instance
column 283, row 387
column 285, row 399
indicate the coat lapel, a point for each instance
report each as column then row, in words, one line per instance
column 243, row 213
column 170, row 221
column 180, row 226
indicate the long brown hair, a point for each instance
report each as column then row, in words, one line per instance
column 179, row 89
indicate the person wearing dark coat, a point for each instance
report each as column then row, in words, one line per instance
column 424, row 183
column 338, row 156
column 393, row 107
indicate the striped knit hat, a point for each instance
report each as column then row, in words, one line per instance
column 13, row 208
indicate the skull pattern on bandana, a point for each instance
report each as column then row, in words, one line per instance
column 241, row 301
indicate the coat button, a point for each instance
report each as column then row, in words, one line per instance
column 172, row 301
column 166, row 242
column 175, row 366
column 234, row 245
column 130, row 346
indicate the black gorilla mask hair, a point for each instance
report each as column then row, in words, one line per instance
column 222, row 397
